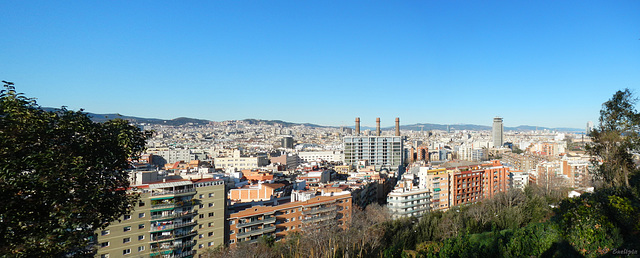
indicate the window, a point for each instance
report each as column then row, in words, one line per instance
column 141, row 226
column 126, row 251
column 210, row 224
column 140, row 248
column 210, row 204
column 140, row 237
column 127, row 217
column 201, row 196
column 201, row 206
column 201, row 216
column 210, row 234
column 211, row 194
column 105, row 232
column 210, row 244
column 200, row 246
column 104, row 256
column 104, row 244
column 200, row 236
column 141, row 204
column 200, row 226
column 141, row 215
column 127, row 228
column 126, row 240
column 211, row 214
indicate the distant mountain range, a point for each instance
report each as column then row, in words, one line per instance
column 418, row 127
column 414, row 127
column 173, row 122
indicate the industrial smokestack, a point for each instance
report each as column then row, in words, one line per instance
column 378, row 126
column 397, row 126
column 357, row 126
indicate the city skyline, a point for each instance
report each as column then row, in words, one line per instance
column 545, row 63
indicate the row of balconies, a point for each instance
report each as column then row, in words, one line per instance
column 318, row 210
column 189, row 190
column 425, row 208
column 173, row 236
column 174, row 215
column 266, row 229
column 415, row 198
column 171, row 226
column 408, row 205
column 173, row 204
column 173, row 246
column 256, row 222
column 319, row 218
column 185, row 254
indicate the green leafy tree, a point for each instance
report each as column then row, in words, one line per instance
column 532, row 240
column 616, row 136
column 61, row 176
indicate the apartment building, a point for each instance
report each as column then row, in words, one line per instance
column 518, row 179
column 578, row 172
column 277, row 221
column 407, row 200
column 526, row 162
column 380, row 151
column 466, row 187
column 289, row 160
column 241, row 162
column 329, row 156
column 174, row 218
column 459, row 184
column 495, row 178
column 436, row 180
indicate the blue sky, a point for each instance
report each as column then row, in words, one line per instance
column 544, row 63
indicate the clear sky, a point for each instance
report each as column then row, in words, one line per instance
column 544, row 63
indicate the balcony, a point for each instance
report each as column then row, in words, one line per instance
column 251, row 241
column 314, row 211
column 319, row 218
column 172, row 247
column 173, row 204
column 414, row 211
column 407, row 205
column 173, row 236
column 254, row 232
column 174, row 215
column 412, row 199
column 171, row 226
column 257, row 222
column 176, row 192
column 185, row 254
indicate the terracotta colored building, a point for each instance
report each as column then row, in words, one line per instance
column 495, row 178
column 278, row 221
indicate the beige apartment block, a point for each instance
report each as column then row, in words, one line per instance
column 175, row 218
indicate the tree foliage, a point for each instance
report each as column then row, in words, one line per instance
column 616, row 136
column 61, row 176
